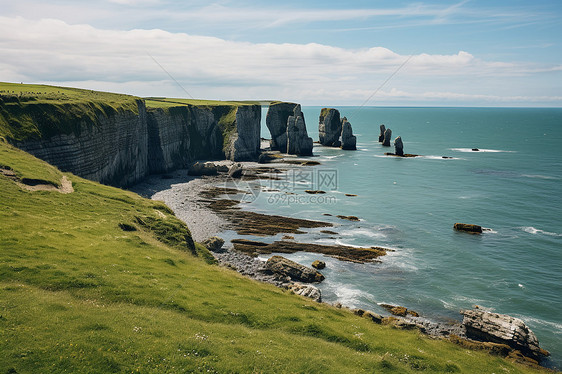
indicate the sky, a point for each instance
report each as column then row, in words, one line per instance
column 500, row 53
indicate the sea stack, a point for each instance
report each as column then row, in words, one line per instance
column 381, row 136
column 348, row 141
column 329, row 127
column 387, row 136
column 276, row 121
column 298, row 141
column 398, row 147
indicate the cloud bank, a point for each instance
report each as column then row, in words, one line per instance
column 53, row 51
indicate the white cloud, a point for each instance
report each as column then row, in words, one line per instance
column 53, row 51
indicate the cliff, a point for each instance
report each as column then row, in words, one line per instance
column 120, row 139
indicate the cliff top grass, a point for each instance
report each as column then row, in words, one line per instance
column 101, row 280
column 163, row 102
column 29, row 111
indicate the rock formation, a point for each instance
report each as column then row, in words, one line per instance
column 276, row 121
column 293, row 270
column 387, row 136
column 381, row 136
column 348, row 141
column 474, row 229
column 398, row 147
column 329, row 127
column 307, row 290
column 121, row 147
column 319, row 264
column 213, row 244
column 298, row 141
column 503, row 329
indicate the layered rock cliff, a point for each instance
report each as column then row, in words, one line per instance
column 121, row 143
column 287, row 126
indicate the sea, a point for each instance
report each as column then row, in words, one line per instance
column 511, row 186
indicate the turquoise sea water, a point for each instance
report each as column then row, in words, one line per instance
column 513, row 186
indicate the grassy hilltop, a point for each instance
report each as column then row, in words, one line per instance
column 100, row 280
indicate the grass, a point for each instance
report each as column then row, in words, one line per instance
column 36, row 111
column 101, row 280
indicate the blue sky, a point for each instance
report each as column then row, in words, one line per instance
column 459, row 53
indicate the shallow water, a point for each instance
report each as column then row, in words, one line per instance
column 513, row 186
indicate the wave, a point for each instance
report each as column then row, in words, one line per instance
column 539, row 176
column 440, row 158
column 363, row 232
column 535, row 231
column 553, row 326
column 480, row 150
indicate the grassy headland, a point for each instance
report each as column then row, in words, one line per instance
column 101, row 280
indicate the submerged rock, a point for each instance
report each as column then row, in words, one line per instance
column 348, row 140
column 298, row 141
column 381, row 136
column 295, row 271
column 329, row 127
column 502, row 329
column 398, row 146
column 387, row 136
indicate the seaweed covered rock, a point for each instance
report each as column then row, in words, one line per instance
column 348, row 140
column 502, row 329
column 329, row 127
column 319, row 264
column 297, row 272
column 473, row 229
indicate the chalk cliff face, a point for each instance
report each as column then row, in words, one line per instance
column 276, row 121
column 114, row 151
column 329, row 127
column 243, row 143
column 122, row 147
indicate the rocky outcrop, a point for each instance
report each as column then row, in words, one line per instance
column 348, row 141
column 298, row 141
column 502, row 329
column 329, row 127
column 319, row 264
column 306, row 290
column 387, row 136
column 381, row 136
column 293, row 270
column 276, row 121
column 473, row 229
column 213, row 244
column 398, row 147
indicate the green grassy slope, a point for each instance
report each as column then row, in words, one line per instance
column 35, row 111
column 81, row 292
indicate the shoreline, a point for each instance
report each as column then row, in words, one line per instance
column 192, row 197
column 200, row 203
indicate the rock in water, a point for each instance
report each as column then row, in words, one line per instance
column 398, row 146
column 348, row 141
column 319, row 264
column 381, row 136
column 298, row 141
column 276, row 121
column 503, row 329
column 295, row 271
column 213, row 244
column 475, row 229
column 329, row 127
column 387, row 136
